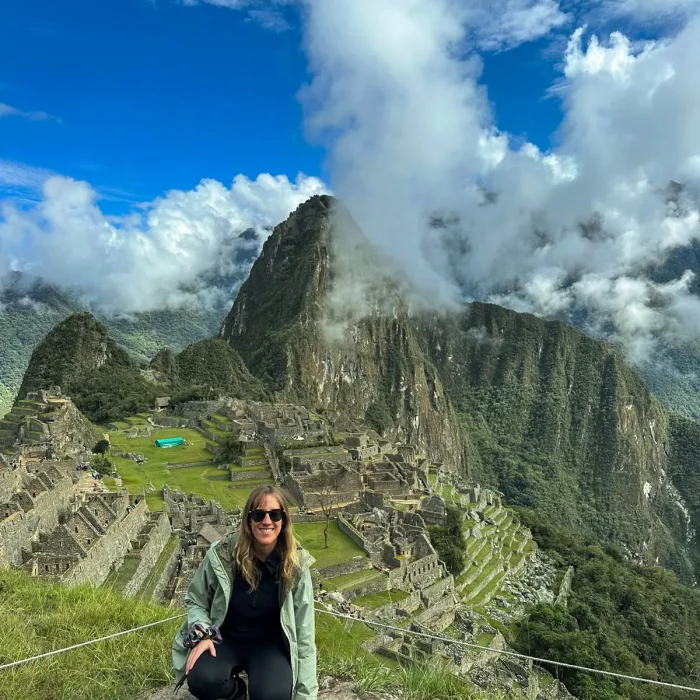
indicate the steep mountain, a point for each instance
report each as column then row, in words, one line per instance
column 30, row 308
column 280, row 325
column 102, row 379
column 553, row 418
column 209, row 365
column 107, row 384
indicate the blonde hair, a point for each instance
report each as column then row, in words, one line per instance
column 286, row 545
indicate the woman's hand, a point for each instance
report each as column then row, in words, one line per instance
column 204, row 645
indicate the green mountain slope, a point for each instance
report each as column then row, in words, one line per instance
column 106, row 383
column 553, row 418
column 102, row 379
column 29, row 309
column 209, row 365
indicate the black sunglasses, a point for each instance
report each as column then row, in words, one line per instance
column 258, row 514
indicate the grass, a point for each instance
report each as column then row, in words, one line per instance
column 221, row 419
column 341, row 548
column 377, row 600
column 39, row 617
column 208, row 425
column 357, row 578
column 196, row 452
column 483, row 639
column 136, row 477
column 119, row 578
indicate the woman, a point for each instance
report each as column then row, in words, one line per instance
column 250, row 607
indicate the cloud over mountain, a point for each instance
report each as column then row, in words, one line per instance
column 183, row 249
column 396, row 99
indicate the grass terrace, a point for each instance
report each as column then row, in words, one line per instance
column 349, row 581
column 136, row 477
column 149, row 585
column 378, row 600
column 122, row 575
column 341, row 548
column 222, row 419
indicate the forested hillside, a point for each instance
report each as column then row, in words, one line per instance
column 30, row 309
column 553, row 418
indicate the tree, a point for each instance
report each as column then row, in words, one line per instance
column 230, row 449
column 448, row 541
column 324, row 488
column 101, row 447
column 101, row 463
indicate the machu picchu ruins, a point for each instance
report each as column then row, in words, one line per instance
column 137, row 532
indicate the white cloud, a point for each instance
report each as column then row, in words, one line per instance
column 151, row 258
column 13, row 174
column 650, row 10
column 503, row 24
column 410, row 134
column 268, row 13
column 33, row 115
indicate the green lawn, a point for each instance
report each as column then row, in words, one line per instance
column 348, row 581
column 377, row 600
column 187, row 480
column 196, row 452
column 340, row 547
column 135, row 477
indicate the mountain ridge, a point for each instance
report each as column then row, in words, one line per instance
column 553, row 418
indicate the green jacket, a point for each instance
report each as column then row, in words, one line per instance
column 207, row 602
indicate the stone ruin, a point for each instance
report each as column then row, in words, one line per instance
column 43, row 424
column 383, row 499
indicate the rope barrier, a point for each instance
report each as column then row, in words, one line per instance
column 84, row 644
column 560, row 664
column 381, row 625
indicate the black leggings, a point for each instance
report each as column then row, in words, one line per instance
column 265, row 661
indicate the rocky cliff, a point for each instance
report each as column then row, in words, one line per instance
column 553, row 418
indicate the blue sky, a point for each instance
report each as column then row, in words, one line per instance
column 150, row 96
column 139, row 138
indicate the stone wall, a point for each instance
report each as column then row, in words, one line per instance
column 440, row 614
column 310, row 518
column 437, row 590
column 377, row 585
column 349, row 567
column 164, row 421
column 346, row 527
column 407, row 606
column 112, row 547
column 9, row 482
column 197, row 410
column 250, row 475
column 17, row 530
column 421, row 572
column 183, row 465
column 157, row 539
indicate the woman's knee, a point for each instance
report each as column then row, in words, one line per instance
column 274, row 685
column 269, row 691
column 208, row 679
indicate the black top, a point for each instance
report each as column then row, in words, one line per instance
column 255, row 614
